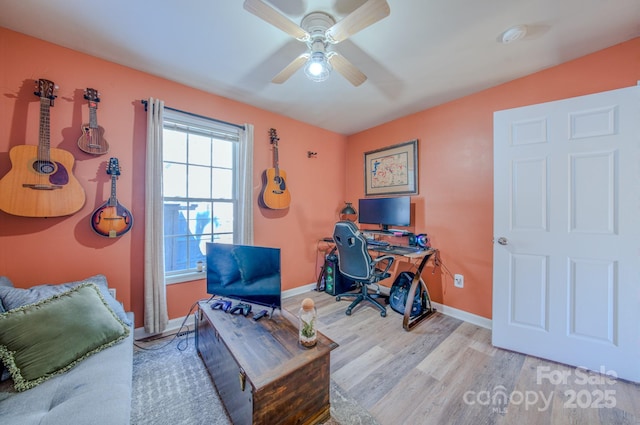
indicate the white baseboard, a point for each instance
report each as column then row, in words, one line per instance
column 463, row 315
column 299, row 290
column 174, row 324
column 449, row 311
column 172, row 327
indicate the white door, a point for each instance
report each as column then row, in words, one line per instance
column 566, row 256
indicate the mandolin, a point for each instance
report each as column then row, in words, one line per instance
column 275, row 194
column 40, row 183
column 112, row 219
column 92, row 140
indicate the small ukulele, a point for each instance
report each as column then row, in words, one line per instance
column 92, row 140
column 112, row 219
column 275, row 194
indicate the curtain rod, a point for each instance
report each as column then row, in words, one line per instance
column 144, row 102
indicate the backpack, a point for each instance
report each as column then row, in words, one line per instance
column 400, row 292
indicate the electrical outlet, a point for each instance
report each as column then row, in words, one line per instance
column 458, row 281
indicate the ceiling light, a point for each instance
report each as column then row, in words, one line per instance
column 512, row 34
column 317, row 68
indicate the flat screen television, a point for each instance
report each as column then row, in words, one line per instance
column 246, row 273
column 385, row 212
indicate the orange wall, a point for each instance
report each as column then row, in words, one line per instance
column 454, row 205
column 52, row 250
column 455, row 202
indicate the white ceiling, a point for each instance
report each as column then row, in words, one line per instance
column 425, row 53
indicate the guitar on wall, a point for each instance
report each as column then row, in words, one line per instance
column 275, row 194
column 40, row 183
column 112, row 219
column 92, row 140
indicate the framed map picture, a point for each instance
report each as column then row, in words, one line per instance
column 392, row 170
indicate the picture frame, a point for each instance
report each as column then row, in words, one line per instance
column 392, row 170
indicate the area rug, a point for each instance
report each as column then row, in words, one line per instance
column 171, row 386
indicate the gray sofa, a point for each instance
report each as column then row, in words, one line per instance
column 96, row 390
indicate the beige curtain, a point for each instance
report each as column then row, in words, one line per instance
column 155, row 295
column 245, row 228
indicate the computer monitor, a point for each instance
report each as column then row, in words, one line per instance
column 385, row 212
column 245, row 273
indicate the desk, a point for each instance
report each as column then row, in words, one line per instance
column 409, row 322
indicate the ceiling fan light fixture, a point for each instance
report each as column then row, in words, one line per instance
column 319, row 29
column 318, row 67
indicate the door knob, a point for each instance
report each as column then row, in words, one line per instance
column 503, row 241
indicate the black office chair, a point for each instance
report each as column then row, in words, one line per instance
column 355, row 263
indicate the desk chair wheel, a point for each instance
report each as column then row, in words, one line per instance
column 338, row 298
column 383, row 313
column 348, row 312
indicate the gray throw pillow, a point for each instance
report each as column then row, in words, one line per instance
column 4, row 281
column 17, row 297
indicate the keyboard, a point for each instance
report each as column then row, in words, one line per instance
column 405, row 249
column 376, row 242
column 397, row 249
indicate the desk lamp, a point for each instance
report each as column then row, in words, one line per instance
column 348, row 213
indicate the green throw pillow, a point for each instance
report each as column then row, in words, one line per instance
column 39, row 341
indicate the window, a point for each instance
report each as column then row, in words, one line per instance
column 200, row 190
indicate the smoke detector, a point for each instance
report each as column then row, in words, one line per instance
column 512, row 34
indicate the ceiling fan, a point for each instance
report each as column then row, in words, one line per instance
column 320, row 31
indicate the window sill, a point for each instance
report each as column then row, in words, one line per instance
column 185, row 277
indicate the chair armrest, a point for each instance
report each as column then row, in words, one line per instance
column 388, row 258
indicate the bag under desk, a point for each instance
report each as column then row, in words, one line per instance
column 424, row 256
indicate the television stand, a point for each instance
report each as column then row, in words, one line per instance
column 262, row 374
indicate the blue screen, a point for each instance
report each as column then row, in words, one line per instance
column 385, row 211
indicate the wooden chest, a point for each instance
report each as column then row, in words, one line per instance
column 262, row 374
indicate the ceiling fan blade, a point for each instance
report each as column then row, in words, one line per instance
column 275, row 18
column 367, row 14
column 346, row 68
column 290, row 69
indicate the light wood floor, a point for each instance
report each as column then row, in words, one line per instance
column 445, row 371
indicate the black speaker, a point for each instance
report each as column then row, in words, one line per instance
column 334, row 282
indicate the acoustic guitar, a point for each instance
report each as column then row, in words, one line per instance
column 92, row 140
column 40, row 183
column 112, row 219
column 275, row 194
